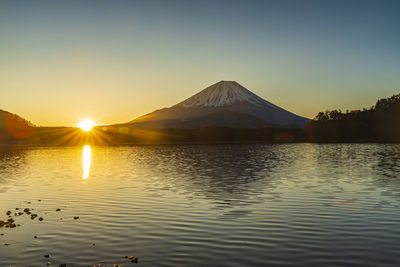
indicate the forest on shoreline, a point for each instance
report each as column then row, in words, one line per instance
column 379, row 123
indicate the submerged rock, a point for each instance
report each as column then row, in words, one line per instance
column 132, row 259
column 8, row 224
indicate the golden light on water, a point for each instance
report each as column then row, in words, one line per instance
column 86, row 125
column 86, row 160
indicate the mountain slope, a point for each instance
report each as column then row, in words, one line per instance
column 13, row 126
column 225, row 103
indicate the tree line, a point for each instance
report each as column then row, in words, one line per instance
column 380, row 123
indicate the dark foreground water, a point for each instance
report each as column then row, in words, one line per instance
column 234, row 205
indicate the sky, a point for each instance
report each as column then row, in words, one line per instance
column 112, row 61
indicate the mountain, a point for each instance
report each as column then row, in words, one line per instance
column 13, row 126
column 224, row 104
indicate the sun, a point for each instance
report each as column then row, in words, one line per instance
column 86, row 125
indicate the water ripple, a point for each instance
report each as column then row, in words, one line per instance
column 225, row 205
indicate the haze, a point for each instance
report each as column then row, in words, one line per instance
column 112, row 61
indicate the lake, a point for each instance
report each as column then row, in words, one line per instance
column 221, row 205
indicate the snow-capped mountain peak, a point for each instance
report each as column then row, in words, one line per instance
column 225, row 104
column 223, row 93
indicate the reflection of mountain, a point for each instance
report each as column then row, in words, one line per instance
column 229, row 175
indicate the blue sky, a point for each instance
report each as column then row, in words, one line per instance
column 61, row 61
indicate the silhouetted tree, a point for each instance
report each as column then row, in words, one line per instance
column 377, row 123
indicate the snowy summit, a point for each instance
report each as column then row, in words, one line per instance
column 224, row 104
column 223, row 93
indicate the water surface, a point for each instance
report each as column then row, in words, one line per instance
column 226, row 205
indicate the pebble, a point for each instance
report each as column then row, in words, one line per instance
column 27, row 211
column 132, row 259
column 8, row 224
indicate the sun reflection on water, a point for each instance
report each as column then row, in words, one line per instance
column 86, row 160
